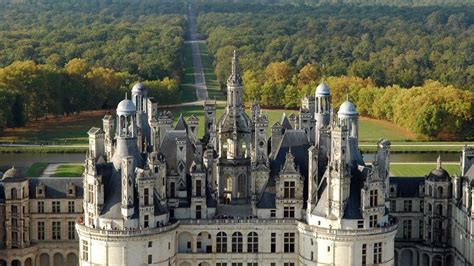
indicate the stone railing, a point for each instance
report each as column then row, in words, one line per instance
column 378, row 230
column 237, row 221
column 129, row 232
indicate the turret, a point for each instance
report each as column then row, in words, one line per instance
column 234, row 85
column 322, row 106
column 128, row 184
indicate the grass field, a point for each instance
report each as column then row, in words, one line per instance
column 188, row 92
column 213, row 87
column 36, row 169
column 68, row 170
column 401, row 169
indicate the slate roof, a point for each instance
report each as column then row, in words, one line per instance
column 56, row 187
column 168, row 149
column 407, row 187
column 181, row 124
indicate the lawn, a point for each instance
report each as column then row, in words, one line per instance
column 188, row 92
column 69, row 170
column 422, row 169
column 213, row 87
column 36, row 169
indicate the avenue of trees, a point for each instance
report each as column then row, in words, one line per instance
column 412, row 66
column 61, row 57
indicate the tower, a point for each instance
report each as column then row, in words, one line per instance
column 108, row 127
column 139, row 98
column 322, row 108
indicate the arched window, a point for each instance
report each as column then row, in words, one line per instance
column 237, row 242
column 221, row 242
column 430, row 191
column 14, row 193
column 252, row 242
column 440, row 192
column 439, row 209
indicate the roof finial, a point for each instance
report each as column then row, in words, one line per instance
column 347, row 96
column 126, row 96
column 438, row 162
column 234, row 63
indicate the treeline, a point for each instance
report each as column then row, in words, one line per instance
column 390, row 45
column 143, row 38
column 432, row 110
column 352, row 2
column 29, row 90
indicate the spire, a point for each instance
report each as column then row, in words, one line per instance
column 234, row 63
column 438, row 162
column 126, row 96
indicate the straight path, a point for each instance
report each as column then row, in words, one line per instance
column 199, row 77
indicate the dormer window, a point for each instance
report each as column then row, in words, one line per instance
column 40, row 191
column 71, row 190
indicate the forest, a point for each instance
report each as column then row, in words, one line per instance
column 62, row 57
column 388, row 60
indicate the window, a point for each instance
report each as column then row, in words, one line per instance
column 150, row 244
column 56, row 230
column 272, row 213
column 252, row 264
column 374, row 198
column 145, row 196
column 150, row 259
column 14, row 209
column 273, row 243
column 420, row 229
column 14, row 193
column 56, row 206
column 378, row 252
column 221, row 242
column 364, row 254
column 289, row 242
column 85, row 250
column 221, row 264
column 422, row 206
column 372, row 221
column 406, row 229
column 289, row 264
column 198, row 188
column 90, row 193
column 289, row 190
column 252, row 242
column 14, row 222
column 237, row 264
column 393, row 205
column 70, row 207
column 198, row 211
column 71, row 231
column 237, row 240
column 40, row 230
column 360, row 224
column 40, row 206
column 145, row 221
column 407, row 205
column 289, row 212
column 171, row 189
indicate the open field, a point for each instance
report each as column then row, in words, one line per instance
column 213, row 87
column 36, row 169
column 188, row 92
column 69, row 134
column 68, row 170
column 420, row 169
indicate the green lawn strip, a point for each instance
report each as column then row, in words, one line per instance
column 188, row 92
column 68, row 170
column 213, row 86
column 43, row 149
column 36, row 169
column 400, row 169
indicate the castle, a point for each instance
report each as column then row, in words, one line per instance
column 154, row 192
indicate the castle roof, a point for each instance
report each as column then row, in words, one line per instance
column 347, row 108
column 126, row 107
column 322, row 89
column 138, row 88
column 13, row 175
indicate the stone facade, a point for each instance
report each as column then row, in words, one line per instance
column 37, row 219
column 298, row 195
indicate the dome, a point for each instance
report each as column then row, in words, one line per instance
column 13, row 174
column 347, row 108
column 126, row 107
column 138, row 88
column 322, row 90
column 438, row 174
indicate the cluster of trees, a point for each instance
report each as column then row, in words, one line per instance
column 432, row 110
column 62, row 57
column 391, row 45
column 352, row 2
column 29, row 90
column 143, row 38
